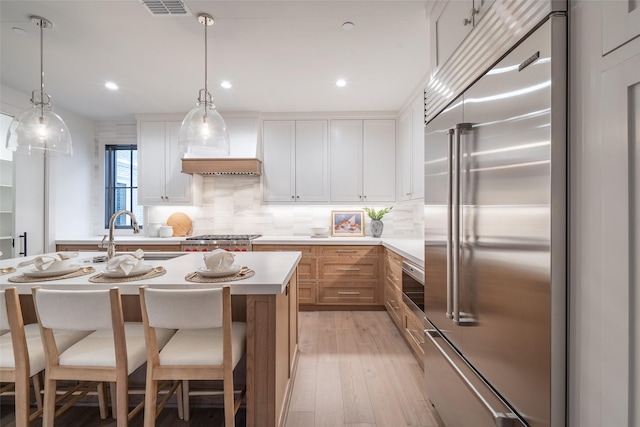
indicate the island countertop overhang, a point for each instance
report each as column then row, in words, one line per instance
column 273, row 271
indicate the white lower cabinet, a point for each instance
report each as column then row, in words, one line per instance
column 160, row 180
column 362, row 160
column 295, row 161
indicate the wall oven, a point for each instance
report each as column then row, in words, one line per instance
column 413, row 287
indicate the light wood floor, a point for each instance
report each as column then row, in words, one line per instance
column 354, row 370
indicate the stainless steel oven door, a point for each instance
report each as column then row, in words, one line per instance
column 413, row 287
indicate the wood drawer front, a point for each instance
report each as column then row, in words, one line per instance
column 306, row 293
column 351, row 293
column 393, row 268
column 357, row 269
column 307, row 269
column 414, row 332
column 348, row 251
column 393, row 303
column 307, row 251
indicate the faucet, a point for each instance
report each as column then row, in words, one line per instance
column 111, row 246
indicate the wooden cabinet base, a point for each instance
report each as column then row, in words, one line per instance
column 272, row 355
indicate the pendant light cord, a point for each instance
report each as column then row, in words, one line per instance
column 206, row 88
column 41, row 25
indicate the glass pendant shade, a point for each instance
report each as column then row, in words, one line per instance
column 39, row 130
column 203, row 132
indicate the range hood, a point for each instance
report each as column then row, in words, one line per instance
column 221, row 166
column 243, row 160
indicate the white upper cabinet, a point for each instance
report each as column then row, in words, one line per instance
column 295, row 160
column 379, row 161
column 451, row 22
column 411, row 162
column 362, row 160
column 620, row 23
column 160, row 180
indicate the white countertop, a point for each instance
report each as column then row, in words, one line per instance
column 273, row 270
column 411, row 249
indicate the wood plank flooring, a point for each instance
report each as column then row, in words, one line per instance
column 355, row 370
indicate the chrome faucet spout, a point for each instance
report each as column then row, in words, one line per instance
column 111, row 246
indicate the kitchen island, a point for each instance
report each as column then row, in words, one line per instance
column 270, row 310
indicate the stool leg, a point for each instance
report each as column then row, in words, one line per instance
column 180, row 401
column 37, row 388
column 185, row 399
column 102, row 401
column 114, row 401
column 22, row 389
column 150, row 398
column 49, row 410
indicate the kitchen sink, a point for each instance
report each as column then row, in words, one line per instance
column 157, row 256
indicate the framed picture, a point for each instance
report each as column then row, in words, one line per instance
column 347, row 223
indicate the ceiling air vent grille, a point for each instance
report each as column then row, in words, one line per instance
column 166, row 7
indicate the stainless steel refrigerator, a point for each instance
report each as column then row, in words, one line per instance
column 495, row 242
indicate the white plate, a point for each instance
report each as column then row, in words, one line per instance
column 234, row 269
column 119, row 274
column 54, row 273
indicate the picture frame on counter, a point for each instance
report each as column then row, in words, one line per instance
column 347, row 223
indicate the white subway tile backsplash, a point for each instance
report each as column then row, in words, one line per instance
column 233, row 204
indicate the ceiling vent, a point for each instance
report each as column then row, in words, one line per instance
column 167, row 7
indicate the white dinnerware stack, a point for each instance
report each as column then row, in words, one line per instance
column 219, row 263
column 126, row 265
column 51, row 265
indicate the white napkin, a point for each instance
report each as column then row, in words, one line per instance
column 52, row 262
column 218, row 260
column 126, row 262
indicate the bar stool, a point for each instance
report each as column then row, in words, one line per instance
column 112, row 352
column 206, row 346
column 22, row 356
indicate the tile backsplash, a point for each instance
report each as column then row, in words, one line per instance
column 233, row 205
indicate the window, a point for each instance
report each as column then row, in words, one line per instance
column 121, row 184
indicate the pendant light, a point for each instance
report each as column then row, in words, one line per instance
column 203, row 132
column 39, row 129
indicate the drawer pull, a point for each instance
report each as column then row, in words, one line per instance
column 346, row 251
column 349, row 269
column 348, row 293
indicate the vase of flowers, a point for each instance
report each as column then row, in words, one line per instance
column 376, row 220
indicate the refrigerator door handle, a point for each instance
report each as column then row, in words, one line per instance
column 455, row 218
column 450, row 249
column 502, row 419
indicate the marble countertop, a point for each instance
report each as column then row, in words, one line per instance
column 273, row 270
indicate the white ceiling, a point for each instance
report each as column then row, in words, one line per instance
column 280, row 56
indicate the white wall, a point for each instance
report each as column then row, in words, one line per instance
column 604, row 327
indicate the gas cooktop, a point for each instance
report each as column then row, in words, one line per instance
column 224, row 237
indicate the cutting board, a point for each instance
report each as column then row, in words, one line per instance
column 181, row 223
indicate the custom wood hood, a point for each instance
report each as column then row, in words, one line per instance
column 222, row 166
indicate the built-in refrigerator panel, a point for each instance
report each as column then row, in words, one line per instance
column 495, row 289
column 438, row 177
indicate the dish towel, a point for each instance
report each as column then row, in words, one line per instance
column 43, row 262
column 126, row 262
column 218, row 260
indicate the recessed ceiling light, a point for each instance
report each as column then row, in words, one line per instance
column 20, row 31
column 111, row 86
column 348, row 26
column 341, row 83
column 225, row 84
